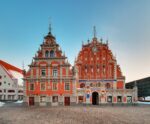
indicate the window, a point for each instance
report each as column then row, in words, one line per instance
column 98, row 84
column 108, row 86
column 43, row 72
column 43, row 86
column 52, row 54
column 80, row 99
column 119, row 98
column 55, row 87
column 0, row 77
column 86, row 68
column 4, row 90
column 47, row 54
column 0, row 83
column 109, row 99
column 82, row 85
column 55, row 98
column 67, row 86
column 9, row 84
column 129, row 99
column 20, row 91
column 55, row 73
column 4, row 82
column 11, row 91
column 31, row 86
column 91, row 84
column 42, row 98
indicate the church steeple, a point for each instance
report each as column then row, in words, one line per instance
column 94, row 31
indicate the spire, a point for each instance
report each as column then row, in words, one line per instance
column 94, row 31
column 49, row 28
column 107, row 41
column 49, row 35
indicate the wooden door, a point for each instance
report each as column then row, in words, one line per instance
column 67, row 101
column 31, row 101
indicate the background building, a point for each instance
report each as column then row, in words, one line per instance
column 98, row 76
column 143, row 86
column 49, row 80
column 11, row 83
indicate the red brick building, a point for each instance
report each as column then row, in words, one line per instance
column 49, row 80
column 98, row 76
column 95, row 78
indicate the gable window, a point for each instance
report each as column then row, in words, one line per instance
column 31, row 86
column 52, row 53
column 46, row 54
column 43, row 72
column 55, row 73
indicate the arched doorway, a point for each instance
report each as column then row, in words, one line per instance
column 95, row 98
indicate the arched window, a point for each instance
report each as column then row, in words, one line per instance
column 108, row 86
column 46, row 54
column 82, row 85
column 52, row 54
column 98, row 84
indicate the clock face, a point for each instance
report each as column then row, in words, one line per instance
column 94, row 49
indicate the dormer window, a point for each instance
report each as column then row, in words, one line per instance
column 52, row 53
column 46, row 54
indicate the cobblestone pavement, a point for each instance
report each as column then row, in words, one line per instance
column 75, row 115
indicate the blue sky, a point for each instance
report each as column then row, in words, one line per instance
column 126, row 23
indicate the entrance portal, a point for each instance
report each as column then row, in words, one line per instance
column 67, row 101
column 95, row 98
column 31, row 101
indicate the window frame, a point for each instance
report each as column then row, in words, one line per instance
column 42, row 74
column 32, row 87
column 55, row 72
column 54, row 83
column 67, row 86
column 41, row 86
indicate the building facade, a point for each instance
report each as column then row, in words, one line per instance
column 143, row 86
column 49, row 80
column 10, row 88
column 99, row 79
column 96, row 78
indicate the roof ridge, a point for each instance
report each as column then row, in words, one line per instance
column 10, row 67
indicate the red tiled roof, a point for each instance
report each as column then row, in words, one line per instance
column 10, row 67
